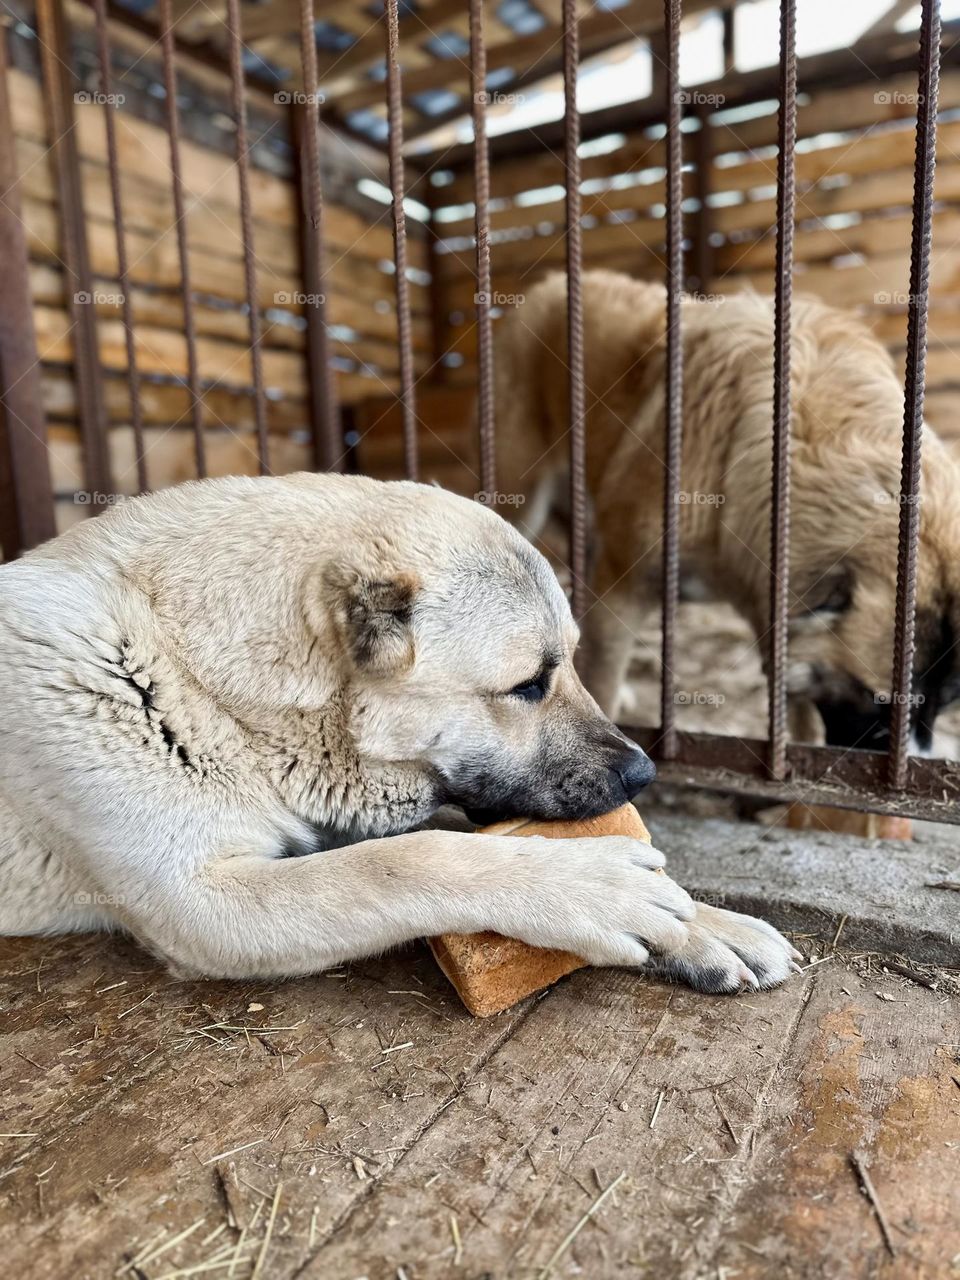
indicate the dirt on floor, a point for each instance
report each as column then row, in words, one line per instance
column 360, row 1124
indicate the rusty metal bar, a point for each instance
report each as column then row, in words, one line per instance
column 925, row 164
column 673, row 416
column 404, row 329
column 729, row 41
column 783, row 296
column 168, row 52
column 578, row 437
column 815, row 775
column 123, row 277
column 483, row 299
column 26, row 497
column 56, row 60
column 239, row 106
column 324, row 410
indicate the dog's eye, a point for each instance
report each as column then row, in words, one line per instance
column 531, row 690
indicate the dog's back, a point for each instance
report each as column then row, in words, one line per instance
column 624, row 325
column 846, row 441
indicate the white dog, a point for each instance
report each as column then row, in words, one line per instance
column 203, row 682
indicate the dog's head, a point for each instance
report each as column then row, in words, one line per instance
column 456, row 643
column 843, row 607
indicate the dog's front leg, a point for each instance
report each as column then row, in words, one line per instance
column 249, row 916
column 610, row 632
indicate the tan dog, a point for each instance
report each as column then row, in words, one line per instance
column 847, row 429
column 226, row 708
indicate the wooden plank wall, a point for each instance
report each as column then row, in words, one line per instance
column 855, row 183
column 360, row 294
column 854, row 167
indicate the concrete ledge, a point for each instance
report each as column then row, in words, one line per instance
column 806, row 882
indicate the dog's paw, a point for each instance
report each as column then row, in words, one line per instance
column 728, row 952
column 604, row 899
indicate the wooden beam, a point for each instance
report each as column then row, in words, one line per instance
column 541, row 53
column 878, row 58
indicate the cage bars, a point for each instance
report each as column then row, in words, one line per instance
column 858, row 776
column 172, row 119
column 404, row 324
column 239, row 105
column 324, row 409
column 902, row 695
column 26, row 496
column 780, row 491
column 120, row 235
column 56, row 60
column 673, row 418
column 574, row 246
column 483, row 300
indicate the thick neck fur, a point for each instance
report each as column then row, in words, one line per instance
column 233, row 645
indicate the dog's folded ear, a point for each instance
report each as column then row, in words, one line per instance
column 372, row 617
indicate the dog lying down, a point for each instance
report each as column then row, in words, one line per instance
column 227, row 707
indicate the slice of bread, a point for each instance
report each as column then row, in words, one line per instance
column 490, row 972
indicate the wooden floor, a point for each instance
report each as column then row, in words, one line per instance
column 359, row 1124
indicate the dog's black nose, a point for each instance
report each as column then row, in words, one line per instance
column 636, row 771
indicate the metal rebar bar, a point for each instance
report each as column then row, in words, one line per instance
column 783, row 295
column 673, row 417
column 325, row 410
column 925, row 164
column 483, row 299
column 169, row 59
column 123, row 277
column 238, row 98
column 574, row 237
column 27, row 514
column 59, row 85
column 404, row 329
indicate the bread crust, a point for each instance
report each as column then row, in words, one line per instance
column 491, row 973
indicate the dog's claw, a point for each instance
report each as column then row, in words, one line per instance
column 748, row 979
column 795, row 967
column 795, row 954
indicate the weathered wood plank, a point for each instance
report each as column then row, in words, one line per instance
column 133, row 1101
column 565, row 1108
column 873, row 1070
column 403, row 1134
column 154, row 262
column 870, row 153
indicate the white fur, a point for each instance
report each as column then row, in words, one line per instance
column 181, row 704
